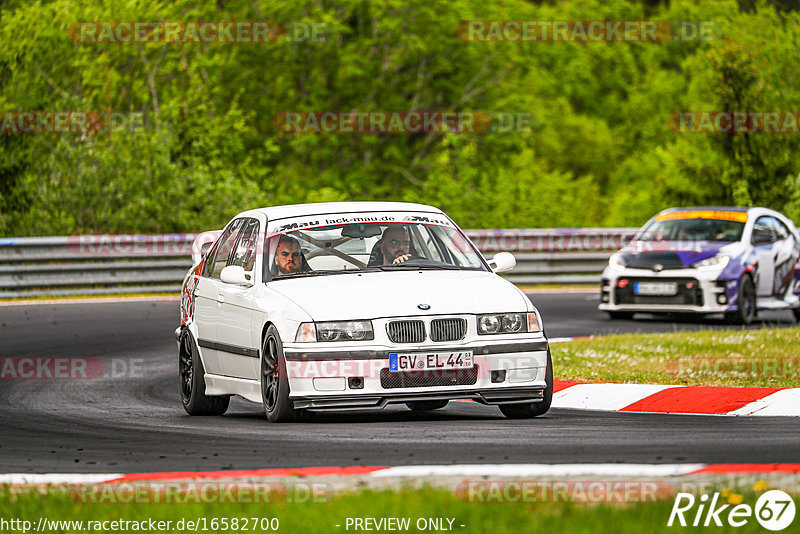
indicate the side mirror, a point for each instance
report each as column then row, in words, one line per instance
column 234, row 274
column 502, row 262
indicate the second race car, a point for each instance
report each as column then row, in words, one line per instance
column 706, row 260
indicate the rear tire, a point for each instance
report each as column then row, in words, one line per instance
column 533, row 409
column 193, row 384
column 745, row 303
column 275, row 382
column 620, row 315
column 426, row 406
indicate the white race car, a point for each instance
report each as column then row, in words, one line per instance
column 706, row 260
column 341, row 306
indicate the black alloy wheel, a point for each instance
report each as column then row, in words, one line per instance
column 193, row 384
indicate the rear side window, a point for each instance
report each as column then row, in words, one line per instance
column 780, row 229
column 218, row 257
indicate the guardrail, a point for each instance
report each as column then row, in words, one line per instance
column 114, row 264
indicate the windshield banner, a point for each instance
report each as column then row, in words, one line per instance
column 738, row 216
column 320, row 221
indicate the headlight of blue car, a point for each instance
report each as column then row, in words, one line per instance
column 714, row 262
column 617, row 261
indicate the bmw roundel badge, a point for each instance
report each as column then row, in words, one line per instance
column 424, row 306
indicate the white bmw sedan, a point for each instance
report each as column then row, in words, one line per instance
column 347, row 306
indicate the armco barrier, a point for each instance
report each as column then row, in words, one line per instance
column 113, row 264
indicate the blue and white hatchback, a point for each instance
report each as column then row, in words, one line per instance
column 706, row 260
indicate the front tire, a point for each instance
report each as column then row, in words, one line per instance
column 275, row 382
column 533, row 409
column 426, row 406
column 796, row 313
column 745, row 303
column 193, row 384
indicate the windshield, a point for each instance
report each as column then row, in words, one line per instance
column 329, row 244
column 696, row 226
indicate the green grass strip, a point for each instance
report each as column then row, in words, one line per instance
column 323, row 517
column 768, row 357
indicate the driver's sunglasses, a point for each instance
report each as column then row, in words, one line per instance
column 395, row 242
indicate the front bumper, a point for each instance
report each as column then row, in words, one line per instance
column 358, row 402
column 504, row 371
column 698, row 291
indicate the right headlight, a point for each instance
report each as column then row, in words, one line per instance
column 714, row 262
column 617, row 261
column 508, row 323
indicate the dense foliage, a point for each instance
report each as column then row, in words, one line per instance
column 599, row 152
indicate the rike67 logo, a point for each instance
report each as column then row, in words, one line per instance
column 774, row 510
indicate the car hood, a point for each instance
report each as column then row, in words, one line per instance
column 675, row 254
column 396, row 294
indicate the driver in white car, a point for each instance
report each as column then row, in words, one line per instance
column 395, row 245
column 288, row 258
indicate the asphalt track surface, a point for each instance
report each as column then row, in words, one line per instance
column 132, row 421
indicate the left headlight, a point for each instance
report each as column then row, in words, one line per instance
column 508, row 323
column 617, row 261
column 714, row 262
column 335, row 331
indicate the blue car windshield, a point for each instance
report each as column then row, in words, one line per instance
column 692, row 230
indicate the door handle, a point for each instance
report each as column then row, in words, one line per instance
column 195, row 292
column 220, row 298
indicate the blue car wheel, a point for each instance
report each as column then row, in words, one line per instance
column 745, row 301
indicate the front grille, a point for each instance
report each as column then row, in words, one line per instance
column 448, row 329
column 689, row 293
column 646, row 260
column 406, row 331
column 430, row 378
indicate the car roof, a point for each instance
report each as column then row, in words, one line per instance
column 753, row 211
column 323, row 208
column 715, row 208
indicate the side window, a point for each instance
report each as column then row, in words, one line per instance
column 762, row 231
column 244, row 255
column 213, row 252
column 223, row 249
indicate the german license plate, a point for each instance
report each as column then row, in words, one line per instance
column 655, row 288
column 430, row 361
